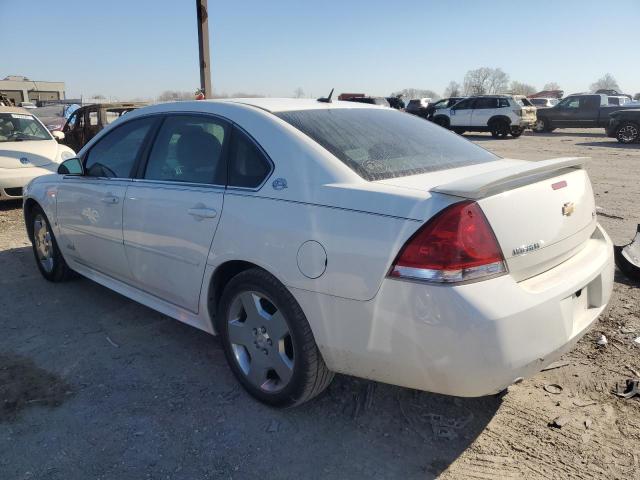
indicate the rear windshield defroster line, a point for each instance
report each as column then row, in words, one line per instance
column 382, row 143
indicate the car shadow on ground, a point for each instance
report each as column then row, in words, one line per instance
column 147, row 395
column 599, row 133
column 612, row 144
column 7, row 205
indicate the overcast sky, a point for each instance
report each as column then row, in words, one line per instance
column 139, row 48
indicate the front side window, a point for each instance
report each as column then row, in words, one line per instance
column 115, row 154
column 570, row 102
column 248, row 166
column 440, row 104
column 188, row 148
column 19, row 127
column 464, row 104
column 379, row 144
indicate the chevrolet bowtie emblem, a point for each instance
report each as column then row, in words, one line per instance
column 568, row 208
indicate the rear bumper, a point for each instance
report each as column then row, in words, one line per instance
column 466, row 340
column 12, row 180
column 526, row 123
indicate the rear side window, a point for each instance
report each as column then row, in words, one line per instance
column 248, row 166
column 115, row 154
column 503, row 102
column 188, row 148
column 484, row 103
column 379, row 144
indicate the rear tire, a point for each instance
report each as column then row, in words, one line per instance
column 499, row 129
column 628, row 132
column 268, row 342
column 49, row 260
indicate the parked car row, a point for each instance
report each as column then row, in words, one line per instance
column 504, row 115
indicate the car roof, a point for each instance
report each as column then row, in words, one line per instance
column 15, row 110
column 288, row 104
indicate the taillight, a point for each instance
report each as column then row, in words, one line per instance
column 456, row 245
column 518, row 111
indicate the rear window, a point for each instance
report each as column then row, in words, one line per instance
column 381, row 144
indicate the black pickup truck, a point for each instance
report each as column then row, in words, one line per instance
column 576, row 111
column 624, row 125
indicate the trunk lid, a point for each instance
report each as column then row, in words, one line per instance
column 29, row 153
column 542, row 213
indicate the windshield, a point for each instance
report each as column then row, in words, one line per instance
column 380, row 144
column 17, row 127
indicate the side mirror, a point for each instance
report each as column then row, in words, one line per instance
column 72, row 166
column 59, row 136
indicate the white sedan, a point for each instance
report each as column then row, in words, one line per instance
column 27, row 150
column 318, row 237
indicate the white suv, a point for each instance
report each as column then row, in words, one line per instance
column 499, row 114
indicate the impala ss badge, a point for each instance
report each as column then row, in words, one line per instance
column 568, row 208
column 526, row 248
column 279, row 184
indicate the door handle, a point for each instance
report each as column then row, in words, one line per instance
column 201, row 212
column 110, row 199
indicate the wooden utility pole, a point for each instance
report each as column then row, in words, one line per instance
column 203, row 47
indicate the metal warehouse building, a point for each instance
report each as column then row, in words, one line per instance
column 21, row 89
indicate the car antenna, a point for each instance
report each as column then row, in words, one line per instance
column 326, row 99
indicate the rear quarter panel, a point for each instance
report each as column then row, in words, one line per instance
column 268, row 232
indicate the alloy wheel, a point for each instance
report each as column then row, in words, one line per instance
column 43, row 243
column 628, row 134
column 261, row 341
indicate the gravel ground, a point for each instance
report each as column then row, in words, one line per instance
column 94, row 386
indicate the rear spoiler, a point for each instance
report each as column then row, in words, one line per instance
column 491, row 183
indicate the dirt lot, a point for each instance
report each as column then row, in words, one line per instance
column 94, row 386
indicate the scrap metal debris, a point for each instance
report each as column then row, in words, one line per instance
column 559, row 422
column 555, row 365
column 553, row 388
column 602, row 341
column 630, row 389
column 628, row 257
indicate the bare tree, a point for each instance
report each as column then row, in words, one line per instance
column 520, row 88
column 636, row 97
column 411, row 93
column 608, row 82
column 485, row 80
column 298, row 92
column 452, row 90
column 551, row 86
column 99, row 96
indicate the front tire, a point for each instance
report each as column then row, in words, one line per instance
column 45, row 248
column 268, row 342
column 628, row 132
column 442, row 121
column 543, row 125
